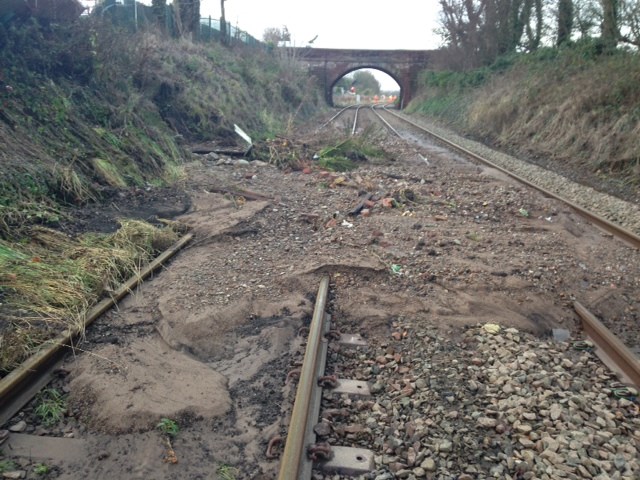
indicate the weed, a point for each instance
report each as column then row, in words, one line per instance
column 51, row 407
column 337, row 164
column 41, row 469
column 473, row 236
column 168, row 427
column 226, row 472
column 71, row 186
column 108, row 172
column 7, row 466
column 53, row 279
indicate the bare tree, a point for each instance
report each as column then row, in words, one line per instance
column 159, row 9
column 610, row 35
column 479, row 31
column 630, row 22
column 565, row 21
column 587, row 17
column 223, row 24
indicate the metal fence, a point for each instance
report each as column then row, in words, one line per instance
column 210, row 29
column 136, row 15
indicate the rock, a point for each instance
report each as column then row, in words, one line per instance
column 384, row 476
column 487, row 422
column 526, row 442
column 523, row 427
column 419, row 472
column 377, row 388
column 555, row 411
column 19, row 427
column 322, row 429
column 445, row 446
column 15, row 474
column 428, row 464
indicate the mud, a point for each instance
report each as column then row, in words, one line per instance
column 209, row 340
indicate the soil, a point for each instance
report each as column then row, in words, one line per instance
column 209, row 340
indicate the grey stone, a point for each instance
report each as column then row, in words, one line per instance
column 21, row 426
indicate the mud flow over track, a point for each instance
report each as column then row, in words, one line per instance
column 441, row 248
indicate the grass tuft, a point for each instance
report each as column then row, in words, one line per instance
column 50, row 407
column 49, row 283
column 108, row 173
column 168, row 427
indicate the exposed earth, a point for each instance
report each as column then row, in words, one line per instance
column 443, row 245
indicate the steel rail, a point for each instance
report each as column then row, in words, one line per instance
column 355, row 120
column 340, row 112
column 387, row 124
column 618, row 231
column 16, row 387
column 294, row 450
column 616, row 354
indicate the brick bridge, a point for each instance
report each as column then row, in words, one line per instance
column 330, row 65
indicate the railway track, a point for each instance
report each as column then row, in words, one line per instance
column 426, row 391
column 612, row 351
column 305, row 451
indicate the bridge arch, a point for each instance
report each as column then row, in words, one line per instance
column 329, row 65
column 370, row 67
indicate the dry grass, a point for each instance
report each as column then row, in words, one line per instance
column 571, row 105
column 588, row 114
column 48, row 284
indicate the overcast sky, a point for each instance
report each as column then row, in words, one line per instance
column 401, row 24
column 363, row 24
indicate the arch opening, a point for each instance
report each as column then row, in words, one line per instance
column 366, row 85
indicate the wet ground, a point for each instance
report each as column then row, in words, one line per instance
column 209, row 340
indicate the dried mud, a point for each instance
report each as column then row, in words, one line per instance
column 208, row 341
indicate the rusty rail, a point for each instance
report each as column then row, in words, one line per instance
column 294, row 454
column 19, row 386
column 615, row 354
column 618, row 231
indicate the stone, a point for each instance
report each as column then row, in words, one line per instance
column 428, row 464
column 445, row 446
column 14, row 474
column 322, row 429
column 555, row 411
column 419, row 472
column 19, row 427
column 523, row 427
column 487, row 422
column 377, row 387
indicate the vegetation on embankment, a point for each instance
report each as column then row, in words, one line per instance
column 87, row 110
column 86, row 106
column 571, row 105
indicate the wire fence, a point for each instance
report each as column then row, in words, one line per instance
column 135, row 15
column 130, row 14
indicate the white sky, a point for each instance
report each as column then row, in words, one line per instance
column 358, row 24
column 402, row 24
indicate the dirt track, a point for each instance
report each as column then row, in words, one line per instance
column 208, row 341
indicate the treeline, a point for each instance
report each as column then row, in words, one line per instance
column 477, row 32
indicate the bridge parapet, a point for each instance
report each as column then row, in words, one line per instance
column 329, row 65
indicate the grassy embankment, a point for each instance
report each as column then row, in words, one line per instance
column 86, row 110
column 568, row 105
